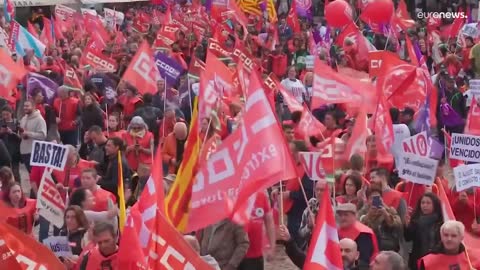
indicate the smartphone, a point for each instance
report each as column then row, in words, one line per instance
column 376, row 201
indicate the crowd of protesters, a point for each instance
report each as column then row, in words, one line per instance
column 378, row 227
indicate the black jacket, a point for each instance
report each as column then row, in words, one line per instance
column 92, row 115
column 5, row 159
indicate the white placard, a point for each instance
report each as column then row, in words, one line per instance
column 417, row 144
column 467, row 176
column 465, row 147
column 50, row 204
column 64, row 12
column 417, row 169
column 50, row 155
column 59, row 245
column 470, row 29
column 309, row 61
column 474, row 86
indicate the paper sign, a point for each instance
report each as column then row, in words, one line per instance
column 467, row 176
column 59, row 245
column 50, row 204
column 312, row 162
column 50, row 155
column 418, row 145
column 474, row 87
column 309, row 61
column 465, row 147
column 417, row 169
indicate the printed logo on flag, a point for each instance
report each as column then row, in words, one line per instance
column 143, row 66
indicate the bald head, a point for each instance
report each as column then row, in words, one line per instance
column 180, row 130
column 193, row 242
column 349, row 250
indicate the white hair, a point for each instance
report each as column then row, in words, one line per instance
column 454, row 225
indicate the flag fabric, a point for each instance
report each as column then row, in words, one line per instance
column 250, row 7
column 271, row 11
column 178, row 199
column 120, row 192
column 324, row 249
column 10, row 74
column 27, row 41
column 142, row 72
column 48, row 87
column 20, row 251
column 8, row 10
column 71, row 80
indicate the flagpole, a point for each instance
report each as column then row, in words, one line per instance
column 280, row 205
column 120, row 191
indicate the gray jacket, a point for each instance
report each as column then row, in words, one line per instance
column 35, row 127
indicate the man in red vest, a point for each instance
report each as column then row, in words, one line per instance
column 451, row 253
column 379, row 179
column 104, row 254
column 350, row 227
column 68, row 112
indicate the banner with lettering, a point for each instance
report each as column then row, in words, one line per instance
column 49, row 201
column 98, row 61
column 50, row 155
column 465, row 147
column 59, row 245
column 467, row 176
column 63, row 12
column 21, row 251
column 417, row 169
column 169, row 69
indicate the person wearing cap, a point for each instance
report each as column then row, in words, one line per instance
column 350, row 227
column 68, row 113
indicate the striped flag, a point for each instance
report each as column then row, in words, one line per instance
column 178, row 199
column 122, row 216
column 8, row 10
column 251, row 7
column 271, row 11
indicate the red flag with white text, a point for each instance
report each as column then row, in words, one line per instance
column 142, row 73
column 23, row 252
column 10, row 74
column 254, row 157
column 472, row 126
column 324, row 249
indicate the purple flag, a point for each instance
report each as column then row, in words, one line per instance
column 106, row 85
column 304, row 8
column 47, row 86
column 436, row 148
column 449, row 116
column 169, row 69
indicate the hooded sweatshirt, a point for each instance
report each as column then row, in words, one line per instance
column 34, row 125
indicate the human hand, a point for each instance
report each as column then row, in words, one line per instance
column 283, row 233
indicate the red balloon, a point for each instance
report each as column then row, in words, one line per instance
column 338, row 13
column 378, row 11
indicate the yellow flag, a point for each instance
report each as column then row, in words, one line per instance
column 121, row 195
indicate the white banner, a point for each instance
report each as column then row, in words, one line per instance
column 467, row 176
column 59, row 245
column 417, row 144
column 49, row 201
column 309, row 61
column 465, row 147
column 64, row 12
column 50, row 155
column 417, row 169
column 113, row 17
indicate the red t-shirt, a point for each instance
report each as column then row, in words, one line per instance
column 255, row 226
column 101, row 197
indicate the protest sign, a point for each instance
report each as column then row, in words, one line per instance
column 474, row 87
column 465, row 147
column 50, row 155
column 59, row 245
column 309, row 61
column 417, row 144
column 169, row 69
column 467, row 176
column 49, row 201
column 417, row 169
column 312, row 162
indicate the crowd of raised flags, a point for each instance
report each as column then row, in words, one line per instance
column 183, row 116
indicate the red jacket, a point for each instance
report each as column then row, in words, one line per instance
column 67, row 110
column 279, row 65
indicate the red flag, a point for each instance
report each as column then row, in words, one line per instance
column 292, row 18
column 142, row 73
column 94, row 25
column 71, row 80
column 331, row 87
column 10, row 74
column 98, row 61
column 455, row 27
column 473, row 120
column 142, row 221
column 383, row 129
column 382, row 61
column 402, row 17
column 166, row 36
column 32, row 30
column 357, row 142
column 29, row 253
column 253, row 157
column 324, row 250
column 47, row 35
